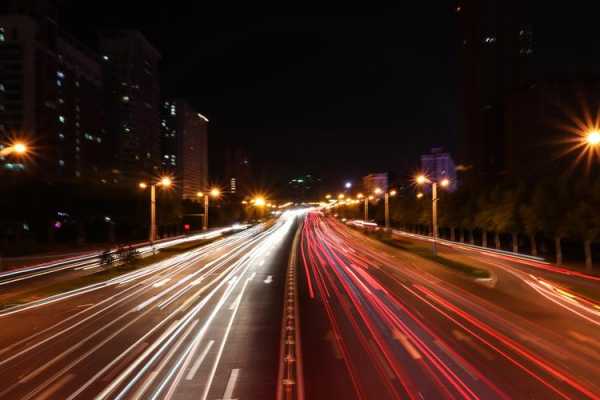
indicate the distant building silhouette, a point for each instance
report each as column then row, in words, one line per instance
column 184, row 147
column 132, row 98
column 439, row 165
column 374, row 181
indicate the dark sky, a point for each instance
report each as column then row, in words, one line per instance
column 341, row 94
column 336, row 91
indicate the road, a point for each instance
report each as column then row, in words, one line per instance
column 204, row 324
column 28, row 281
column 382, row 323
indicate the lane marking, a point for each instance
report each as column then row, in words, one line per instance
column 231, row 384
column 269, row 279
column 406, row 344
column 198, row 362
column 48, row 393
column 161, row 282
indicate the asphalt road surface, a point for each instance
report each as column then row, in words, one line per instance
column 204, row 324
column 382, row 323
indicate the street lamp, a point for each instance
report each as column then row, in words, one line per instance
column 348, row 185
column 215, row 193
column 165, row 182
column 386, row 198
column 445, row 182
column 19, row 148
column 593, row 138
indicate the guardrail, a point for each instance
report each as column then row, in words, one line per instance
column 472, row 247
column 290, row 384
column 94, row 259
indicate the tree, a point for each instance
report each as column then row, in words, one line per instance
column 506, row 215
column 530, row 213
column 583, row 219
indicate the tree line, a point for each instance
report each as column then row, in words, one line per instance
column 549, row 209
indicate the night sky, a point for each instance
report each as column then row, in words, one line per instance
column 342, row 94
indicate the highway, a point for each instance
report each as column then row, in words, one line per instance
column 382, row 323
column 204, row 324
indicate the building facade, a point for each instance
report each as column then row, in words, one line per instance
column 376, row 180
column 439, row 165
column 184, row 147
column 49, row 90
column 132, row 99
column 496, row 52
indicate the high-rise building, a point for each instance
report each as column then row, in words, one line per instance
column 49, row 90
column 439, row 165
column 184, row 147
column 496, row 50
column 132, row 101
column 374, row 181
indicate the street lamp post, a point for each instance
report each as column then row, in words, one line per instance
column 165, row 182
column 214, row 192
column 422, row 179
column 387, row 208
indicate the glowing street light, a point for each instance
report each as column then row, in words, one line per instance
column 166, row 181
column 359, row 196
column 340, row 196
column 377, row 190
column 259, row 202
column 593, row 138
column 215, row 192
column 419, row 195
column 143, row 185
column 327, row 196
column 19, row 148
column 348, row 185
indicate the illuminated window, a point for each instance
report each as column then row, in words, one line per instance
column 61, row 119
column 61, row 163
column 2, row 88
column 61, row 136
column 2, row 37
column 125, row 99
column 105, row 58
column 60, row 75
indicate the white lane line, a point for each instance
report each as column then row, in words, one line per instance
column 235, row 303
column 231, row 384
column 161, row 282
column 164, row 361
column 85, row 305
column 222, row 347
column 407, row 344
column 48, row 393
column 269, row 279
column 198, row 362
